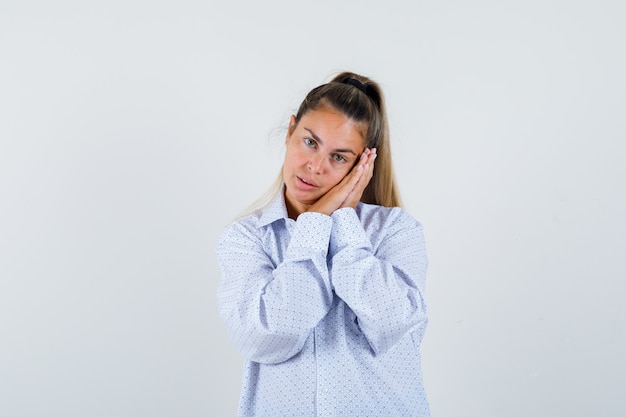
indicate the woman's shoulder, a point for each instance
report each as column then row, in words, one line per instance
column 372, row 214
column 258, row 221
column 246, row 226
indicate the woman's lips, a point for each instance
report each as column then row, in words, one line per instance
column 306, row 184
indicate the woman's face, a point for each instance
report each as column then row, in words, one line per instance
column 321, row 149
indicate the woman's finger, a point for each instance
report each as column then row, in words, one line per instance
column 367, row 171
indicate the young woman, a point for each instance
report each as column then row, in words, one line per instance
column 322, row 290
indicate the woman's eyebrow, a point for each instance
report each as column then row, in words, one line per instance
column 321, row 142
column 317, row 138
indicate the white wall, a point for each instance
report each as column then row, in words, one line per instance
column 132, row 132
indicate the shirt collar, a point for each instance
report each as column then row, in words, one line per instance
column 276, row 210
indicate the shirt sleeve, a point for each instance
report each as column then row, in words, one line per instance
column 384, row 286
column 270, row 309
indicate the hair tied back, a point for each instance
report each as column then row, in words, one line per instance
column 358, row 84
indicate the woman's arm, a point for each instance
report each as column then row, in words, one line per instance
column 384, row 286
column 269, row 309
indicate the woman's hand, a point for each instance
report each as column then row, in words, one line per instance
column 367, row 158
column 350, row 189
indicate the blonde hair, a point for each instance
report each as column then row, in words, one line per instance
column 361, row 99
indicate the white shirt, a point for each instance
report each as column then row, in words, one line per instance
column 328, row 311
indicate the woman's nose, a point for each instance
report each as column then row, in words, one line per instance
column 316, row 164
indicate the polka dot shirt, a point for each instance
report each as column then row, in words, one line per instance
column 328, row 311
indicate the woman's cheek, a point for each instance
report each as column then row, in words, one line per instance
column 346, row 170
column 341, row 175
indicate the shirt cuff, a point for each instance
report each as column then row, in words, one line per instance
column 347, row 230
column 311, row 232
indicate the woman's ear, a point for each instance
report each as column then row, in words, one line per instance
column 292, row 127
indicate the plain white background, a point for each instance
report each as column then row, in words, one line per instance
column 132, row 132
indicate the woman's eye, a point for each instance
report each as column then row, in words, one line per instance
column 339, row 158
column 309, row 142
